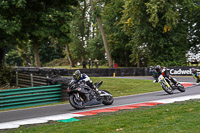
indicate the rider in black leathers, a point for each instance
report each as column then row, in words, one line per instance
column 158, row 70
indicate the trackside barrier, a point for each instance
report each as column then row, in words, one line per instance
column 23, row 97
column 30, row 80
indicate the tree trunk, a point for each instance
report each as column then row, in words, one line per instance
column 26, row 60
column 1, row 56
column 69, row 57
column 83, row 32
column 105, row 42
column 103, row 37
column 82, row 49
column 36, row 54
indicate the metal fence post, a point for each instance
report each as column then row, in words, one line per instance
column 17, row 83
column 47, row 79
column 31, row 79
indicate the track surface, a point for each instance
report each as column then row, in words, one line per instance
column 21, row 114
column 179, row 78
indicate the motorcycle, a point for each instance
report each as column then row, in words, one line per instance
column 81, row 95
column 167, row 85
column 197, row 79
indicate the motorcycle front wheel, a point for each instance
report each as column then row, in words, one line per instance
column 107, row 100
column 77, row 103
column 167, row 89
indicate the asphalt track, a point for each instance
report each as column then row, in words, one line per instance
column 179, row 78
column 21, row 114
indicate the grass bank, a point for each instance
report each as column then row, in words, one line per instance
column 123, row 87
column 180, row 117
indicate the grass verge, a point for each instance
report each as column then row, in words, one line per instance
column 123, row 87
column 180, row 117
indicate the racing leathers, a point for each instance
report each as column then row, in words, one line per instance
column 196, row 75
column 87, row 80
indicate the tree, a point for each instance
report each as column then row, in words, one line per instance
column 161, row 26
column 102, row 33
column 194, row 28
column 120, row 48
column 9, row 24
column 69, row 57
column 36, row 21
column 79, row 26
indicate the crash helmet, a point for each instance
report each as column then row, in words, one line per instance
column 77, row 75
column 151, row 68
column 193, row 70
column 158, row 68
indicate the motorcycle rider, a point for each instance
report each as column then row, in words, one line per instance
column 78, row 77
column 195, row 74
column 157, row 71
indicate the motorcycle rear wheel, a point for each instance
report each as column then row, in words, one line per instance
column 76, row 103
column 181, row 87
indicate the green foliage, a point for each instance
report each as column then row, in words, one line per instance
column 35, row 21
column 161, row 26
column 6, row 75
column 117, row 39
column 96, row 48
column 79, row 28
column 13, row 58
column 138, row 32
column 50, row 51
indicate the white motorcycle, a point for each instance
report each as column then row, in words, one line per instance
column 168, row 86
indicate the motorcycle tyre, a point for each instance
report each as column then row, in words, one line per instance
column 165, row 88
column 73, row 104
column 181, row 88
column 105, row 102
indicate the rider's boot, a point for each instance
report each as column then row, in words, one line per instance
column 197, row 80
column 96, row 90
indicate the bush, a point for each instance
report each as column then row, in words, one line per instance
column 6, row 75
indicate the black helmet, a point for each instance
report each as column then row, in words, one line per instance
column 77, row 75
column 158, row 68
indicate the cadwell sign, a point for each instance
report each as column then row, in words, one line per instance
column 180, row 72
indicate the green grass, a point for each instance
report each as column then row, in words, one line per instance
column 180, row 117
column 122, row 87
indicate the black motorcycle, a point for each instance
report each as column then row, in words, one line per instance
column 81, row 95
